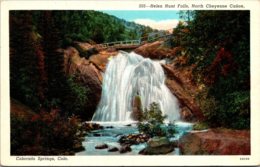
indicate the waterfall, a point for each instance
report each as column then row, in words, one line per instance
column 127, row 75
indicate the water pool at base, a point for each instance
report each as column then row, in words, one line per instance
column 114, row 130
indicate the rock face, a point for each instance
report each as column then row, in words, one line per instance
column 216, row 142
column 101, row 59
column 157, row 145
column 136, row 114
column 185, row 90
column 87, row 74
column 154, row 50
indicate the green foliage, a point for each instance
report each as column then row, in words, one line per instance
column 153, row 114
column 200, row 126
column 46, row 133
column 152, row 124
column 19, row 133
column 37, row 66
column 94, row 25
column 23, row 60
column 231, row 110
column 78, row 97
column 235, row 110
column 217, row 43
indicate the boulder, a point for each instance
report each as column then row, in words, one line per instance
column 158, row 141
column 86, row 126
column 157, row 145
column 113, row 149
column 216, row 142
column 77, row 147
column 125, row 148
column 133, row 139
column 101, row 146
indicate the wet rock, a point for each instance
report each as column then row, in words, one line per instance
column 134, row 139
column 125, row 148
column 84, row 133
column 91, row 126
column 109, row 127
column 81, row 139
column 175, row 143
column 186, row 114
column 101, row 146
column 158, row 141
column 120, row 134
column 96, row 134
column 137, row 112
column 216, row 142
column 113, row 149
column 157, row 145
column 78, row 147
column 128, row 125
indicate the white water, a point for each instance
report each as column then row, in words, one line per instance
column 127, row 75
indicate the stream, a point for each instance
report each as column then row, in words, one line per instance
column 114, row 130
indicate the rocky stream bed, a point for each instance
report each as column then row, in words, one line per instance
column 123, row 138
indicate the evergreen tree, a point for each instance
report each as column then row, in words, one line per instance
column 24, row 74
column 57, row 83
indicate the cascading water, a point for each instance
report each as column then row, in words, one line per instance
column 127, row 75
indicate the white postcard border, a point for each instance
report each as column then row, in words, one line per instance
column 123, row 160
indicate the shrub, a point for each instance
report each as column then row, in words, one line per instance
column 200, row 126
column 46, row 133
column 152, row 124
column 153, row 114
column 231, row 110
column 77, row 98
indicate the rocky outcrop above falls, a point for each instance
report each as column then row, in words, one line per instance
column 216, row 142
column 155, row 50
column 101, row 59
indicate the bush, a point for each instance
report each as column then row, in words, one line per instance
column 152, row 124
column 200, row 126
column 231, row 110
column 153, row 114
column 77, row 98
column 46, row 133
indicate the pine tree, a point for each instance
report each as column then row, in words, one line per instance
column 23, row 59
column 57, row 82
